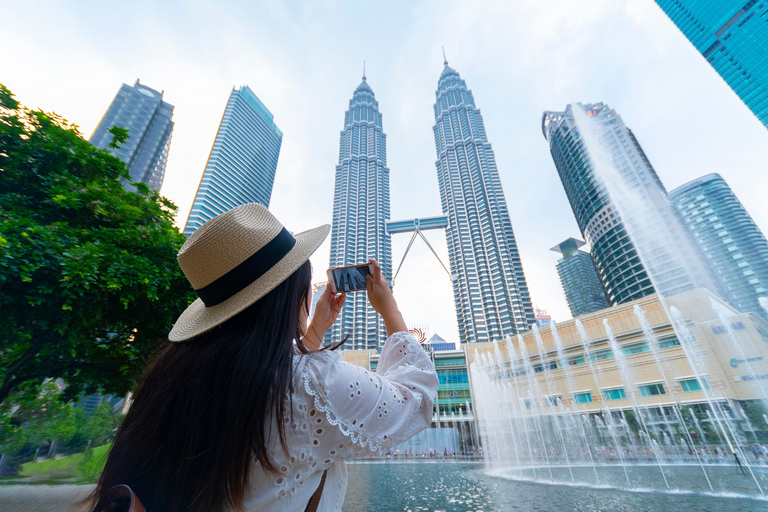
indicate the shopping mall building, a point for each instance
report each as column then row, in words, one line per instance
column 707, row 353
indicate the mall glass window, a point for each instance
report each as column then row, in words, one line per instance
column 602, row 355
column 694, row 384
column 614, row 394
column 583, row 398
column 635, row 348
column 669, row 341
column 652, row 390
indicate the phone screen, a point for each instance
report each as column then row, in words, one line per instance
column 349, row 279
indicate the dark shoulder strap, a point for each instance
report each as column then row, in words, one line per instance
column 119, row 498
column 314, row 501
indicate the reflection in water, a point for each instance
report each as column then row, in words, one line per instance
column 456, row 486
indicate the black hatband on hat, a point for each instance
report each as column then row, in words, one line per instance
column 248, row 271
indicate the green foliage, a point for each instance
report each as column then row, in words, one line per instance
column 89, row 284
column 757, row 412
column 119, row 136
column 33, row 420
column 632, row 423
column 92, row 463
column 84, row 467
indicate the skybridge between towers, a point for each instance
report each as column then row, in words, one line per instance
column 416, row 226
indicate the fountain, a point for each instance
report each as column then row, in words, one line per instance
column 660, row 395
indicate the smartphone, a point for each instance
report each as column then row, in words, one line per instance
column 349, row 279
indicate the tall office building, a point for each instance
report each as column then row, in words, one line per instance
column 579, row 278
column 149, row 121
column 733, row 37
column 732, row 244
column 489, row 288
column 669, row 265
column 241, row 166
column 360, row 210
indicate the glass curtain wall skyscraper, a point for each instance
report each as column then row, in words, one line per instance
column 733, row 36
column 669, row 265
column 735, row 248
column 360, row 210
column 579, row 278
column 243, row 160
column 489, row 287
column 149, row 121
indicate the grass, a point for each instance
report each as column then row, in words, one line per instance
column 79, row 468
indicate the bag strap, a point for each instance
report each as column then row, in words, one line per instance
column 119, row 498
column 314, row 501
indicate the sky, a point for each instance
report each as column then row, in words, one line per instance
column 304, row 60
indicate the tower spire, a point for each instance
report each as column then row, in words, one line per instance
column 363, row 70
column 445, row 60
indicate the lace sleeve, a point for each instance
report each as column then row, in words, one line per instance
column 356, row 412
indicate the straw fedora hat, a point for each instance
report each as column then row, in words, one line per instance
column 235, row 259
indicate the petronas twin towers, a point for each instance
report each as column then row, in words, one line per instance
column 490, row 292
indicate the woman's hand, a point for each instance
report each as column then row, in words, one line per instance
column 327, row 310
column 383, row 301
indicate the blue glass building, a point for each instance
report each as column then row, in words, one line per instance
column 360, row 212
column 489, row 287
column 733, row 37
column 149, row 121
column 735, row 248
column 579, row 278
column 242, row 164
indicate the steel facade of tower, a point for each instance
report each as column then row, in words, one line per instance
column 490, row 292
column 668, row 254
column 733, row 37
column 149, row 121
column 360, row 212
column 735, row 248
column 243, row 160
column 579, row 278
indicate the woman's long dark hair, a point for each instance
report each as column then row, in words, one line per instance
column 206, row 408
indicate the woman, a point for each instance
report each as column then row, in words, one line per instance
column 243, row 409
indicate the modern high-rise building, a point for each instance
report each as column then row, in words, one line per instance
column 734, row 247
column 360, row 211
column 636, row 211
column 149, row 121
column 733, row 37
column 243, row 160
column 579, row 278
column 489, row 288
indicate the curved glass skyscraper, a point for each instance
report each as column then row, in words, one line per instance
column 360, row 210
column 489, row 288
column 733, row 245
column 243, row 160
column 665, row 261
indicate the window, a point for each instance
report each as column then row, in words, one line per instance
column 635, row 348
column 614, row 394
column 652, row 390
column 694, row 384
column 583, row 398
column 669, row 341
column 553, row 400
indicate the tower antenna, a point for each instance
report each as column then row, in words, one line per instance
column 363, row 70
column 445, row 61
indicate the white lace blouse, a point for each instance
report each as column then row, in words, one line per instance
column 342, row 411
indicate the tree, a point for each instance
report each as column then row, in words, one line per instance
column 89, row 283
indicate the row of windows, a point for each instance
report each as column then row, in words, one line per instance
column 655, row 389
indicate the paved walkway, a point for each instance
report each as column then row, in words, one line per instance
column 42, row 498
